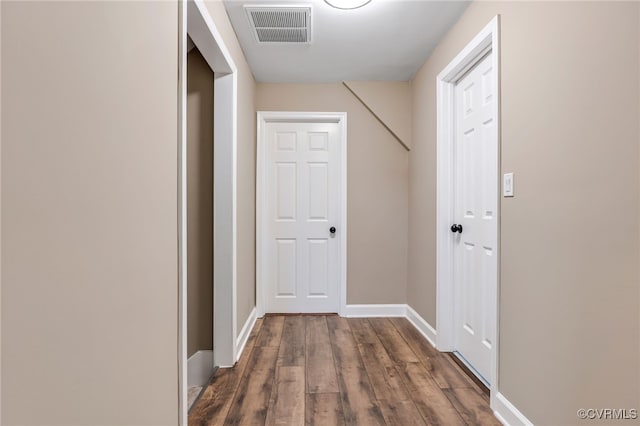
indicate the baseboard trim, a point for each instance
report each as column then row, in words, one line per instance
column 199, row 368
column 359, row 311
column 507, row 413
column 422, row 325
column 241, row 341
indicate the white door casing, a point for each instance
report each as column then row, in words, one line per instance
column 475, row 206
column 485, row 42
column 300, row 198
column 196, row 22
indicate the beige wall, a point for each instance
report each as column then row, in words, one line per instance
column 199, row 204
column 377, row 189
column 246, row 190
column 89, row 213
column 0, row 215
column 569, row 267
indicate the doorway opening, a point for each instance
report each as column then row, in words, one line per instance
column 200, row 94
column 468, row 153
column 198, row 32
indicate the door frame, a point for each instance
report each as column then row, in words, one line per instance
column 195, row 21
column 264, row 117
column 487, row 40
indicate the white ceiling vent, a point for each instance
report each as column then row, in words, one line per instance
column 280, row 24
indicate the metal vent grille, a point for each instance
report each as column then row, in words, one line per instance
column 286, row 18
column 280, row 24
column 277, row 35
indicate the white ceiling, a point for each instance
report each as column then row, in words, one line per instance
column 384, row 40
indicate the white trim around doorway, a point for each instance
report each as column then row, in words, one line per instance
column 487, row 40
column 196, row 23
column 264, row 117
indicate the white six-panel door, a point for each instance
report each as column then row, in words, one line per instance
column 476, row 204
column 302, row 204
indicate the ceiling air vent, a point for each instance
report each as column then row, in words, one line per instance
column 280, row 24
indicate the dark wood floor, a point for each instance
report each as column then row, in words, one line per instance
column 328, row 370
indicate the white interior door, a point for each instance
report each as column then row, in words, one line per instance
column 303, row 195
column 475, row 225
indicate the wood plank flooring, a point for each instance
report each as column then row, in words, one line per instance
column 329, row 370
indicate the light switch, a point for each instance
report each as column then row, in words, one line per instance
column 507, row 185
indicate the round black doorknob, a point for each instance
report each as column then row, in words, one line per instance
column 332, row 229
column 456, row 228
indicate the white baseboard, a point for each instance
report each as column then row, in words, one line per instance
column 422, row 325
column 199, row 368
column 241, row 341
column 356, row 311
column 507, row 413
column 399, row 310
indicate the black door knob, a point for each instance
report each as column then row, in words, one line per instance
column 332, row 229
column 456, row 228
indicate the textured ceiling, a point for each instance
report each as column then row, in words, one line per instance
column 384, row 40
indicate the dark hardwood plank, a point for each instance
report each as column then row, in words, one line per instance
column 248, row 349
column 447, row 374
column 384, row 378
column 239, row 368
column 479, row 385
column 324, row 409
column 214, row 403
column 362, row 330
column 251, row 341
column 251, row 401
column 414, row 338
column 473, row 408
column 263, row 357
column 288, row 403
column 321, row 371
column 337, row 323
column 442, row 369
column 345, row 349
column 434, row 406
column 271, row 331
column 401, row 413
column 248, row 377
column 396, row 346
column 293, row 342
column 359, row 403
column 316, row 330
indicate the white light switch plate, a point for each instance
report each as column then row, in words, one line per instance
column 507, row 185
